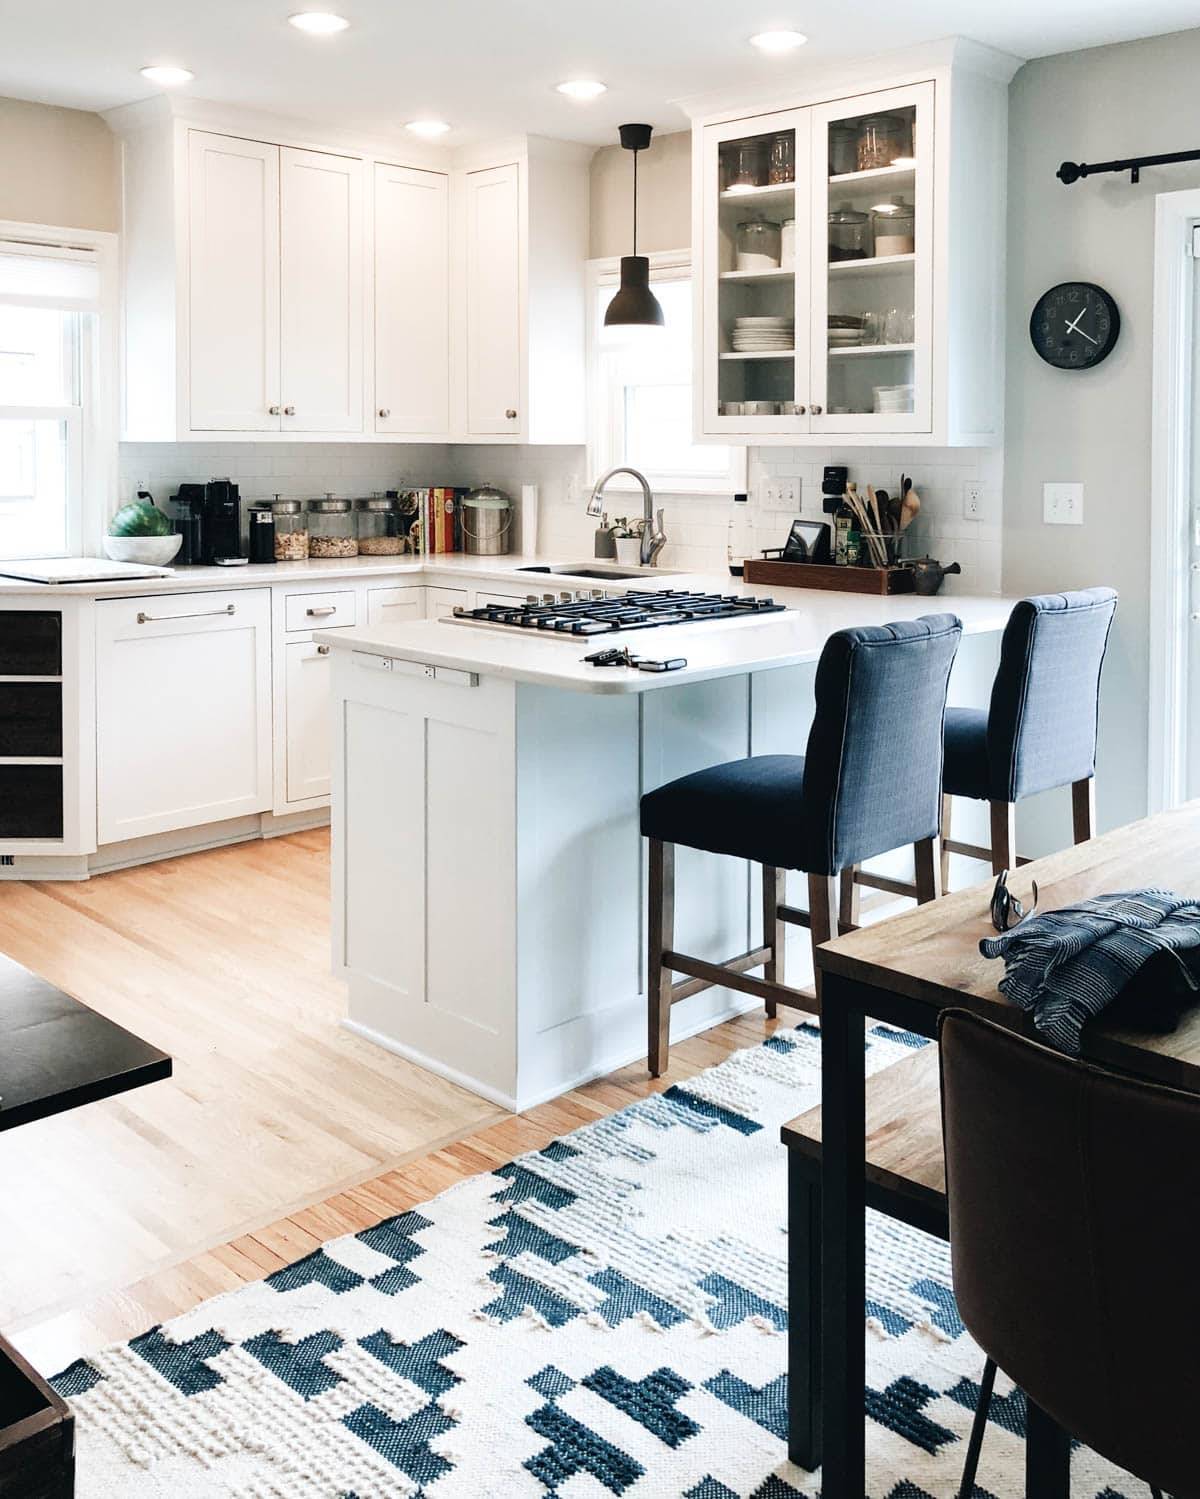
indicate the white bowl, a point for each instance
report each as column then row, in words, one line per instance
column 154, row 551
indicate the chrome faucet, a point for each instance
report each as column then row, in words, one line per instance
column 654, row 538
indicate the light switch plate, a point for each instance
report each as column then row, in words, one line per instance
column 781, row 494
column 1062, row 504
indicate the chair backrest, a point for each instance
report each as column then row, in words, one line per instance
column 873, row 770
column 1041, row 728
column 1071, row 1192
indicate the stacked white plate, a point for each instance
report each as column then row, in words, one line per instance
column 763, row 335
column 893, row 400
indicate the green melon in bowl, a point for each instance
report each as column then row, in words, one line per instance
column 140, row 532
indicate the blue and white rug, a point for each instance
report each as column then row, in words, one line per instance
column 602, row 1317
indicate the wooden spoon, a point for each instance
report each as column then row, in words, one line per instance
column 910, row 509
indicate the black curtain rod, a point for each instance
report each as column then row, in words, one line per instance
column 1072, row 171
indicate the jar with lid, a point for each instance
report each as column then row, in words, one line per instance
column 379, row 531
column 848, row 233
column 758, row 245
column 291, row 530
column 787, row 244
column 748, row 165
column 331, row 531
column 881, row 139
column 843, row 149
column 892, row 226
column 781, row 162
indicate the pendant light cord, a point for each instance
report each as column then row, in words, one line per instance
column 635, row 185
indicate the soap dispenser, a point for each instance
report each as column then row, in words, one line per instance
column 740, row 541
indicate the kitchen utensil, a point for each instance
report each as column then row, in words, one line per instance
column 928, row 574
column 910, row 507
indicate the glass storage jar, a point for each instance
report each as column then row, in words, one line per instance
column 787, row 244
column 848, row 233
column 758, row 245
column 881, row 138
column 892, row 227
column 748, row 166
column 379, row 530
column 291, row 530
column 843, row 149
column 331, row 530
column 781, row 162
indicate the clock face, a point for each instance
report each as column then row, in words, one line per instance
column 1075, row 325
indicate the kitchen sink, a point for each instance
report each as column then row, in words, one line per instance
column 613, row 572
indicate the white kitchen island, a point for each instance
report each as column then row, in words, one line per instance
column 488, row 871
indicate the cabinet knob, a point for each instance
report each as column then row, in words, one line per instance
column 511, row 414
column 289, row 411
column 322, row 650
column 273, row 410
column 385, row 412
column 816, row 410
column 800, row 410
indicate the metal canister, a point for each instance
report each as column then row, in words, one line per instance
column 487, row 521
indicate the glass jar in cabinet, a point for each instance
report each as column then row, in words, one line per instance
column 331, row 530
column 758, row 245
column 849, row 233
column 881, row 139
column 893, row 227
column 379, row 530
column 291, row 530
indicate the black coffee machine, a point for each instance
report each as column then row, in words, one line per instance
column 210, row 522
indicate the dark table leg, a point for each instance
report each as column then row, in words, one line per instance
column 1047, row 1456
column 804, row 1313
column 843, row 1232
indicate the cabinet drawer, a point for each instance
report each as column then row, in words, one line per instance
column 390, row 605
column 319, row 611
column 148, row 616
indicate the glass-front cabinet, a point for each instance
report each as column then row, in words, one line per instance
column 849, row 284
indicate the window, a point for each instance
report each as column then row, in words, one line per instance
column 49, row 311
column 641, row 393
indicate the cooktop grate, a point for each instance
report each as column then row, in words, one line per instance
column 608, row 616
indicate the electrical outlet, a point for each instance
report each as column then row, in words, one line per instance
column 973, row 499
column 1062, row 504
column 781, row 494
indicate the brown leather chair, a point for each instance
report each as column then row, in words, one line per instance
column 1071, row 1193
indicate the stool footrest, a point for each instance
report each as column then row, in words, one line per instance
column 733, row 975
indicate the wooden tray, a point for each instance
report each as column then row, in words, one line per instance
column 877, row 580
column 37, row 1434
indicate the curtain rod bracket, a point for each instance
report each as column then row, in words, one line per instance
column 1072, row 171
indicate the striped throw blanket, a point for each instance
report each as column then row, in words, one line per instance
column 1066, row 966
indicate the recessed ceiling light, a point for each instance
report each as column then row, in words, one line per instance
column 582, row 88
column 778, row 41
column 167, row 77
column 318, row 22
column 427, row 128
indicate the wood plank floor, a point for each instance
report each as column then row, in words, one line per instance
column 279, row 1129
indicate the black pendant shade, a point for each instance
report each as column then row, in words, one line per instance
column 635, row 305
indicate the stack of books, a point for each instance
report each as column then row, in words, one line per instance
column 435, row 526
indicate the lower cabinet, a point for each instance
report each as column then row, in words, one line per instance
column 307, row 749
column 387, row 606
column 183, row 710
column 442, row 601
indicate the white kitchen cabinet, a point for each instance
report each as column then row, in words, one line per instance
column 321, row 292
column 183, row 710
column 493, row 215
column 386, row 606
column 898, row 337
column 412, row 301
column 233, row 280
column 307, row 747
column 442, row 601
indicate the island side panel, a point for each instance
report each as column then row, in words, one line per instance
column 424, row 856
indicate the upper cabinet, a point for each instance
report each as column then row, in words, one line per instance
column 278, row 292
column 851, row 253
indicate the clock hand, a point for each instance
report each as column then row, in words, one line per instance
column 1088, row 336
column 1074, row 327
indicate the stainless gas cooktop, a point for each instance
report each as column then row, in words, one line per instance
column 572, row 615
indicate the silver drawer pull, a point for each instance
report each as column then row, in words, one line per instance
column 321, row 613
column 165, row 619
column 322, row 650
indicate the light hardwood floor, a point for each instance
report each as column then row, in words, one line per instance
column 278, row 1130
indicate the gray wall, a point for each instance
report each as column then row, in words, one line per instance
column 1134, row 99
column 664, row 197
column 57, row 166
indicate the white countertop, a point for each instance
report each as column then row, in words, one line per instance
column 712, row 649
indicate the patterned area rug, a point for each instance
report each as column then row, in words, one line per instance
column 602, row 1317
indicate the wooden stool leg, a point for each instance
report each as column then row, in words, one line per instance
column 1004, row 836
column 848, row 903
column 928, row 858
column 1083, row 809
column 660, row 927
column 947, row 813
column 823, row 901
column 774, row 895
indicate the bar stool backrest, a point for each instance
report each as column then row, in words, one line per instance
column 873, row 769
column 1072, row 1196
column 1041, row 730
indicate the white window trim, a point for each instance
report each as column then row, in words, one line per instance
column 99, row 378
column 606, row 272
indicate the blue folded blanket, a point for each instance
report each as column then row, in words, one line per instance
column 1066, row 966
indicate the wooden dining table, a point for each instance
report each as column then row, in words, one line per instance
column 904, row 972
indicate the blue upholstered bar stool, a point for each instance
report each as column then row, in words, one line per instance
column 869, row 782
column 1040, row 731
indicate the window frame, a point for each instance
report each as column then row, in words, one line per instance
column 92, row 424
column 665, row 265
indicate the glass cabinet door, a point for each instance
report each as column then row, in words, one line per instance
column 872, row 263
column 755, row 297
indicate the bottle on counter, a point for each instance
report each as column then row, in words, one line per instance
column 845, row 532
column 740, row 541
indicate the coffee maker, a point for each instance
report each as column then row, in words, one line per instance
column 210, row 523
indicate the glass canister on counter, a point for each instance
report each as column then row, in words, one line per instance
column 331, row 530
column 849, row 233
column 758, row 245
column 881, row 139
column 291, row 530
column 893, row 227
column 380, row 532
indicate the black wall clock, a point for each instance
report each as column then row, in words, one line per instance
column 1074, row 325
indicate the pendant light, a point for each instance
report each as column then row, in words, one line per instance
column 635, row 305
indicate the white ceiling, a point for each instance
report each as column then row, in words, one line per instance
column 490, row 66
